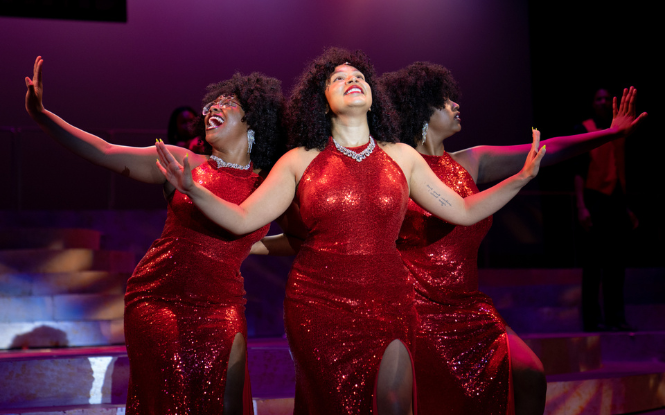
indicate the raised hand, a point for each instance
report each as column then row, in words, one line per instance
column 532, row 164
column 180, row 176
column 624, row 117
column 33, row 98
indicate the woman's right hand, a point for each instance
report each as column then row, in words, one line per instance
column 33, row 98
column 532, row 163
column 180, row 176
column 624, row 117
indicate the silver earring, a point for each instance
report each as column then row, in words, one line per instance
column 425, row 125
column 250, row 140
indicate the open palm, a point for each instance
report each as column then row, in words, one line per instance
column 33, row 98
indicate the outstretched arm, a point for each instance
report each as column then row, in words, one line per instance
column 430, row 193
column 491, row 163
column 263, row 206
column 277, row 245
column 137, row 163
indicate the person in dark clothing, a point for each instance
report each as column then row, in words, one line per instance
column 602, row 211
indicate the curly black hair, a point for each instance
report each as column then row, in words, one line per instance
column 310, row 126
column 415, row 92
column 261, row 98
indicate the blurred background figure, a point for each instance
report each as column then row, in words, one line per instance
column 181, row 130
column 602, row 212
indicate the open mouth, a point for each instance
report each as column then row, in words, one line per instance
column 354, row 90
column 457, row 117
column 214, row 122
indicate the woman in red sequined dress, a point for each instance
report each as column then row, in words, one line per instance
column 349, row 309
column 465, row 352
column 185, row 325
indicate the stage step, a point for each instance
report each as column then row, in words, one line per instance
column 37, row 261
column 568, row 353
column 67, row 307
column 617, row 388
column 99, row 376
column 100, row 409
column 644, row 317
column 79, row 376
column 562, row 287
column 49, row 238
column 581, row 352
column 81, row 282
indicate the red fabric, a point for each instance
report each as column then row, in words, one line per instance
column 185, row 304
column 348, row 294
column 462, row 357
column 607, row 164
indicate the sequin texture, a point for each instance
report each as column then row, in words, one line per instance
column 185, row 304
column 462, row 361
column 348, row 294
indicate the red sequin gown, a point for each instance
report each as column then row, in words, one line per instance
column 462, row 357
column 348, row 294
column 185, row 304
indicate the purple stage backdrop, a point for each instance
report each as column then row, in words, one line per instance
column 131, row 75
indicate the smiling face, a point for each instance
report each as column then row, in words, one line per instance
column 446, row 121
column 347, row 91
column 224, row 117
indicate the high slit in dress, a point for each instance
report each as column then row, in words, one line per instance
column 462, row 356
column 348, row 295
column 185, row 304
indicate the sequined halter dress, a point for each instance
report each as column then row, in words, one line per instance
column 348, row 294
column 462, row 358
column 185, row 304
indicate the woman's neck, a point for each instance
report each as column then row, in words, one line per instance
column 350, row 131
column 236, row 155
column 431, row 147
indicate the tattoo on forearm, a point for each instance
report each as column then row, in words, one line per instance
column 437, row 195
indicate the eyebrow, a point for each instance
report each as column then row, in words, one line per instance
column 354, row 70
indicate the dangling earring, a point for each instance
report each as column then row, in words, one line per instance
column 250, row 140
column 425, row 125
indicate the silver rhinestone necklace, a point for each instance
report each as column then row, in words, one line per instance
column 222, row 163
column 356, row 156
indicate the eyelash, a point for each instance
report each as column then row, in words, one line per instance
column 362, row 78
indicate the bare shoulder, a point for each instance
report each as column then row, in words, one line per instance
column 297, row 160
column 469, row 158
column 179, row 153
column 399, row 151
